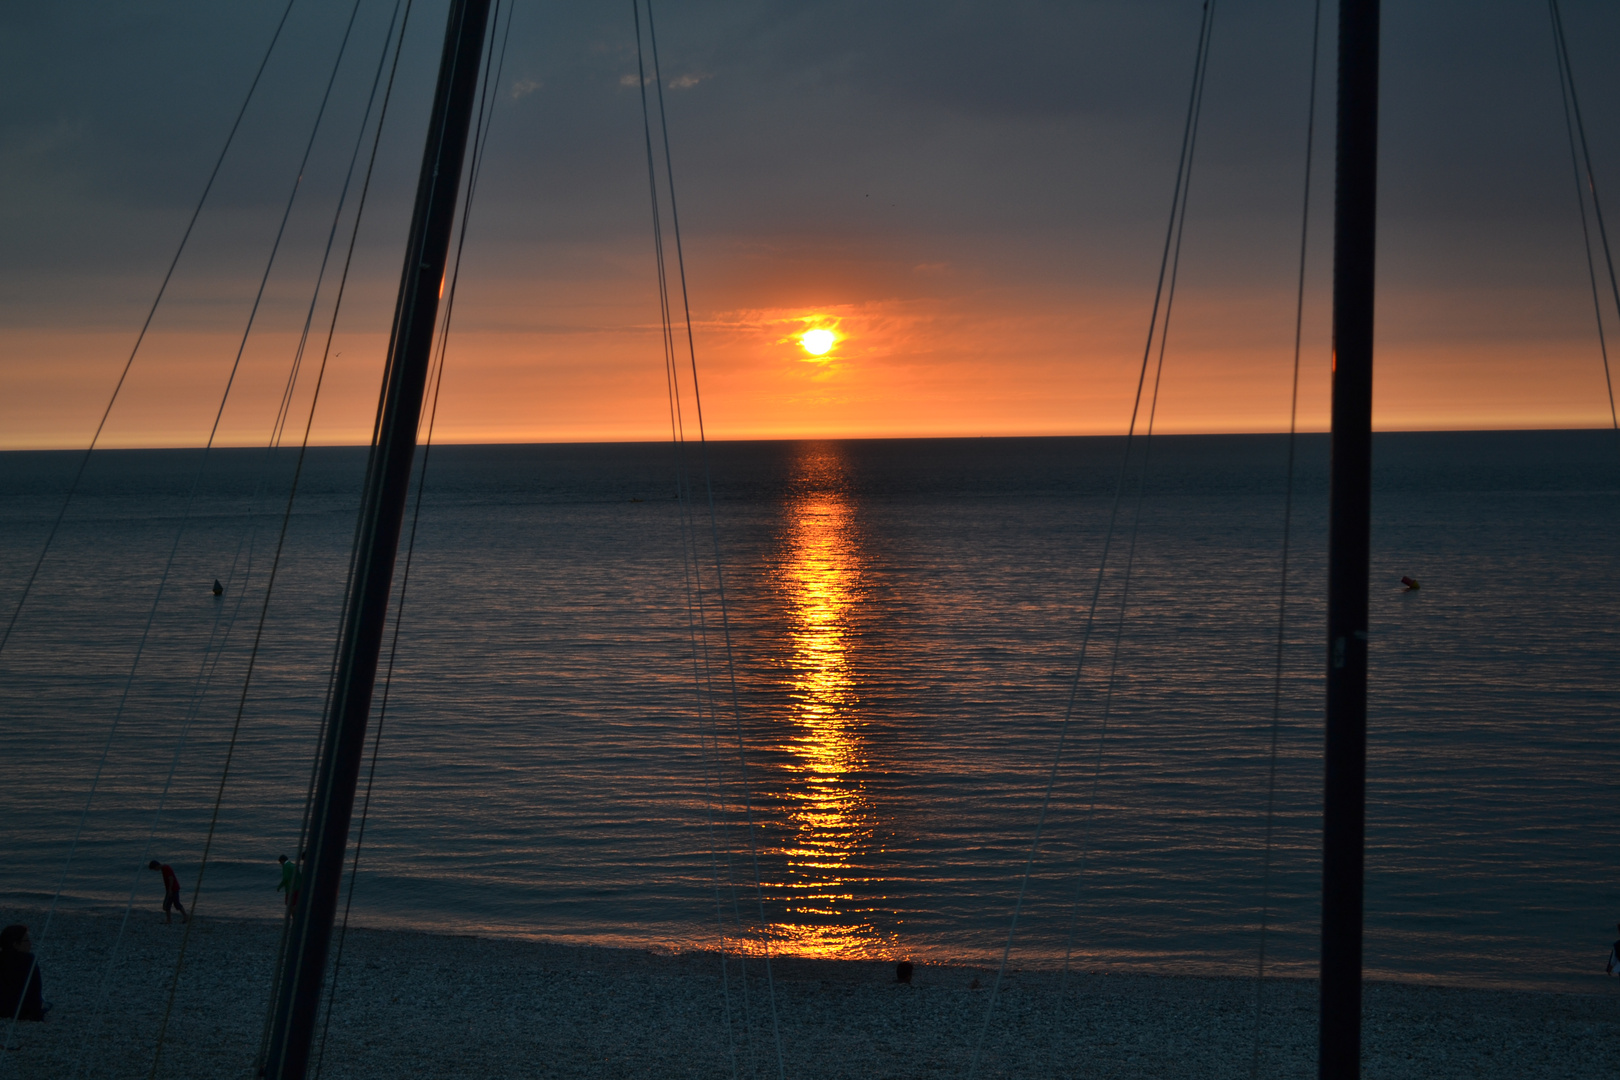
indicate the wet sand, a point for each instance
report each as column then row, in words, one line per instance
column 421, row 1005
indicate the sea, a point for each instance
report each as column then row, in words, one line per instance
column 817, row 698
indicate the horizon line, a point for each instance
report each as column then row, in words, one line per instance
column 340, row 444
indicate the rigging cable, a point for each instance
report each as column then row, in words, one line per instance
column 1136, row 526
column 714, row 528
column 1204, row 30
column 703, row 683
column 354, row 233
column 691, row 569
column 1571, row 103
column 73, row 486
column 714, row 798
column 1287, row 535
column 277, row 430
column 705, row 694
column 280, row 544
column 205, row 678
column 140, row 647
column 480, row 142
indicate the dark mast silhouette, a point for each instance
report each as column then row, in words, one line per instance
column 1345, row 778
column 302, row 967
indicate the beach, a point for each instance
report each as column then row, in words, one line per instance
column 424, row 1005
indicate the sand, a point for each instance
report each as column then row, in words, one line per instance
column 421, row 1005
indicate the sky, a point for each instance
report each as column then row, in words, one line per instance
column 973, row 196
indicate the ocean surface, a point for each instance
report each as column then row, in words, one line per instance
column 571, row 752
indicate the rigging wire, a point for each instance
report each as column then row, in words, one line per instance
column 1572, row 105
column 702, row 668
column 702, row 675
column 1201, row 54
column 402, row 315
column 205, row 678
column 140, row 337
column 697, row 623
column 714, row 533
column 703, row 671
column 205, row 674
column 706, row 694
column 140, row 647
column 480, row 143
column 331, row 330
column 280, row 543
column 1287, row 535
column 1136, row 526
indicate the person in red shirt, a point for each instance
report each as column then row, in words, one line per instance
column 171, row 890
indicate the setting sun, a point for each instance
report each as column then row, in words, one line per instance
column 818, row 342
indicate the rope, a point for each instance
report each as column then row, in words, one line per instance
column 1572, row 104
column 714, row 532
column 697, row 631
column 703, row 679
column 186, row 514
column 280, row 546
column 1288, row 521
column 354, row 234
column 205, row 673
column 697, row 621
column 1182, row 167
column 78, row 475
column 482, row 127
column 703, row 684
column 205, row 678
column 73, row 487
column 1136, row 526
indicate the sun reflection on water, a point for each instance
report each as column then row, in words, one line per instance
column 827, row 806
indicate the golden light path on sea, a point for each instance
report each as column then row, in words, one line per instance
column 827, row 804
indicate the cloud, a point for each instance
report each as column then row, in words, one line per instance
column 522, row 88
column 686, row 82
column 632, row 80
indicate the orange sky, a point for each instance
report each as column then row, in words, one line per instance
column 981, row 361
column 986, row 250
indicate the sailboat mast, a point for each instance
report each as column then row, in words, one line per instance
column 1345, row 784
column 303, row 963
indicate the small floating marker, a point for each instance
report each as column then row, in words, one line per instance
column 902, row 972
column 1411, row 584
column 219, row 590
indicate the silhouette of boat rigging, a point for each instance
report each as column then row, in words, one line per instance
column 444, row 176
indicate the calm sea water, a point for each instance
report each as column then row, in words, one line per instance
column 905, row 618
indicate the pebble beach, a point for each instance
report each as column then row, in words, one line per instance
column 423, row 1005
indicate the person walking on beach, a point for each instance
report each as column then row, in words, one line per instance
column 1613, row 966
column 290, row 880
column 19, row 977
column 171, row 891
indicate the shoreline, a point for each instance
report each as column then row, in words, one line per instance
column 421, row 1004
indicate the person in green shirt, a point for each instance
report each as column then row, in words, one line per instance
column 290, row 880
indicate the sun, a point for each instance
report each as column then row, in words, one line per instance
column 818, row 342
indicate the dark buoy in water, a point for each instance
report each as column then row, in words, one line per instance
column 1411, row 584
column 219, row 590
column 902, row 972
